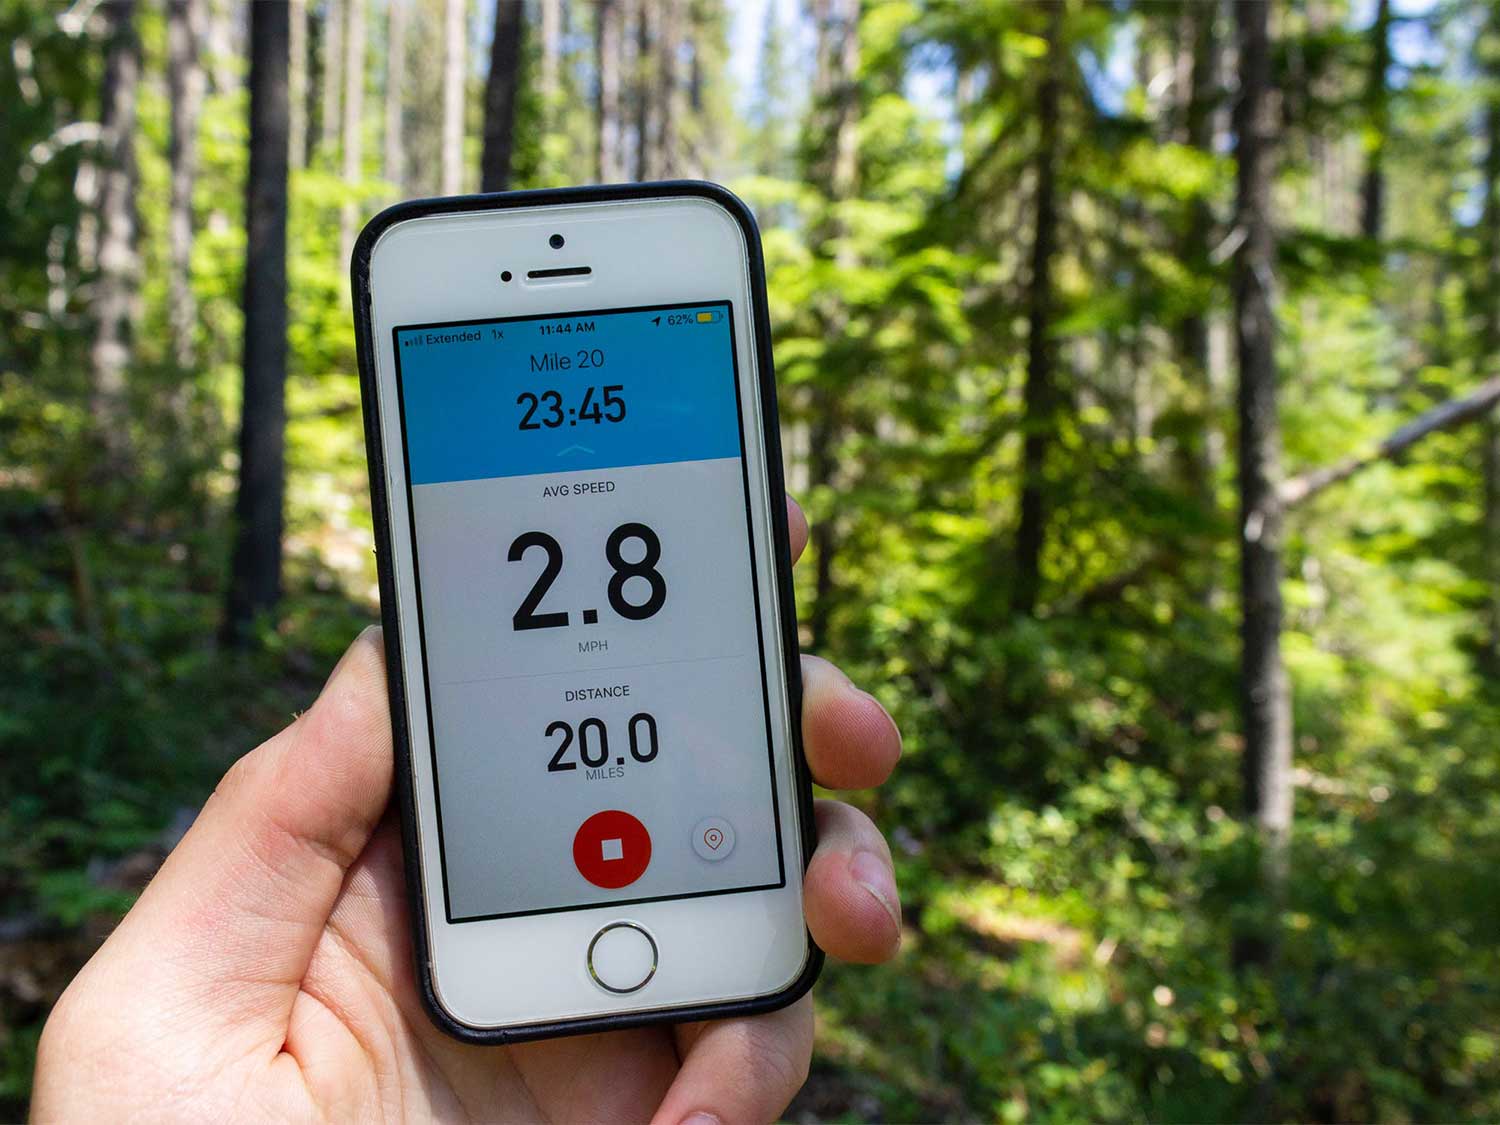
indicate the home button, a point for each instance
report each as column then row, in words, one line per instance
column 622, row 958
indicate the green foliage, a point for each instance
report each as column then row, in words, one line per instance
column 1076, row 877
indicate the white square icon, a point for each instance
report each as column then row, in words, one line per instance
column 612, row 849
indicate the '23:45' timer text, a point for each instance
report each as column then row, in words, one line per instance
column 546, row 409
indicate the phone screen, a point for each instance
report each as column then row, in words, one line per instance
column 591, row 634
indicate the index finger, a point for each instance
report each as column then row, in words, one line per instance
column 740, row 1069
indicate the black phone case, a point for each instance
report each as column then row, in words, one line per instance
column 395, row 675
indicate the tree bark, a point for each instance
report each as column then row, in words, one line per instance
column 551, row 20
column 1265, row 692
column 297, row 84
column 704, row 140
column 186, row 84
column 1377, row 112
column 1199, row 448
column 500, row 95
column 666, row 162
column 353, row 128
column 845, row 174
column 333, row 75
column 255, row 569
column 1039, row 395
column 836, row 170
column 455, row 56
column 607, row 94
column 1488, row 290
column 223, row 31
column 767, row 116
column 115, row 288
column 395, row 85
column 643, row 81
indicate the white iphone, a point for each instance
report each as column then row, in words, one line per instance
column 585, row 582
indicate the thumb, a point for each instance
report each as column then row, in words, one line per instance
column 227, row 928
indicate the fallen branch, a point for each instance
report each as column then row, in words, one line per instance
column 1445, row 416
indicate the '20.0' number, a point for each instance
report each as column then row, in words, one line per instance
column 593, row 742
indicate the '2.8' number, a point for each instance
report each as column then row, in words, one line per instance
column 526, row 615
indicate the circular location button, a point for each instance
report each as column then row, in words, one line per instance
column 612, row 849
column 713, row 838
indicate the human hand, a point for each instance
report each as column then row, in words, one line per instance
column 266, row 971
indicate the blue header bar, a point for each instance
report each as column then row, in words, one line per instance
column 501, row 398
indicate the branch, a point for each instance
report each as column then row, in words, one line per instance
column 75, row 19
column 74, row 133
column 1445, row 416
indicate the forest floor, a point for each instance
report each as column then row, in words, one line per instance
column 1065, row 959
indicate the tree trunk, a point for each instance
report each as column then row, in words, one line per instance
column 1265, row 692
column 354, row 114
column 1200, row 447
column 333, row 76
column 1488, row 289
column 1377, row 113
column 500, row 95
column 1039, row 396
column 646, row 116
column 836, row 172
column 223, row 50
column 186, row 82
column 455, row 58
column 692, row 151
column 255, row 571
column 607, row 94
column 297, row 84
column 115, row 288
column 703, row 144
column 768, row 100
column 668, row 90
column 551, row 19
column 395, row 84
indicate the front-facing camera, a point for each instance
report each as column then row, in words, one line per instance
column 556, row 242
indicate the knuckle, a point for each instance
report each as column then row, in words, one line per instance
column 237, row 777
column 64, row 1032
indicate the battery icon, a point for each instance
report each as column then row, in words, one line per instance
column 710, row 317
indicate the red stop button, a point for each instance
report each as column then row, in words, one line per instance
column 612, row 849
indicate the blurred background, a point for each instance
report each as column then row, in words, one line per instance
column 1137, row 364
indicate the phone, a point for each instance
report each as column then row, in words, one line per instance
column 585, row 580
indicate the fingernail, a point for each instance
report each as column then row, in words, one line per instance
column 365, row 637
column 701, row 1119
column 900, row 742
column 872, row 873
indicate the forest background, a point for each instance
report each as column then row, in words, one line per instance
column 1138, row 363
